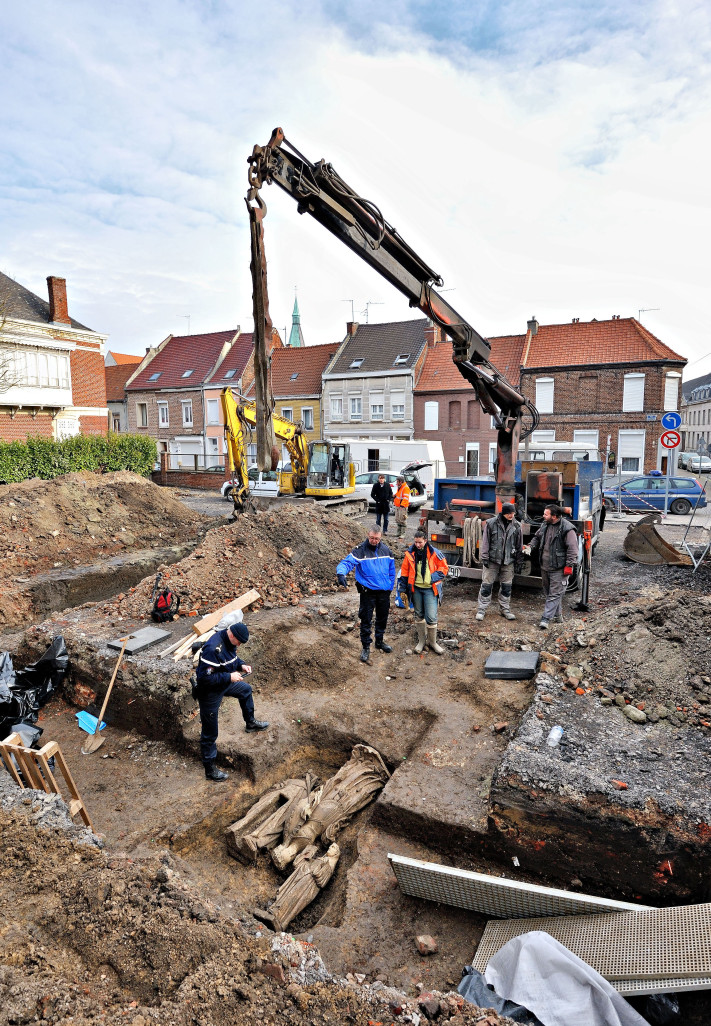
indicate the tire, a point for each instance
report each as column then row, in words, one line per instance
column 228, row 495
column 610, row 505
column 680, row 506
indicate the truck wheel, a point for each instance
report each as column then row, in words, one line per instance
column 680, row 506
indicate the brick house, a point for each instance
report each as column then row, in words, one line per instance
column 368, row 386
column 173, row 396
column 447, row 410
column 51, row 366
column 696, row 413
column 296, row 380
column 118, row 368
column 600, row 380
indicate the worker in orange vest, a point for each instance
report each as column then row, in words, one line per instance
column 401, row 503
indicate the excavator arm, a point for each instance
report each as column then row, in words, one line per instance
column 359, row 224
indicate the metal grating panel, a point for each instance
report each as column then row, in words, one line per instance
column 493, row 895
column 645, row 945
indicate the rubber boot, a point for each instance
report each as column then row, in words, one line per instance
column 421, row 636
column 432, row 639
column 213, row 773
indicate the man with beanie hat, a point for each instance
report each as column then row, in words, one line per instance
column 501, row 553
column 219, row 675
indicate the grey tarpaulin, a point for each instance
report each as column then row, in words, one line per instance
column 535, row 970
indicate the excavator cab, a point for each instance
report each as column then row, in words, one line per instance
column 330, row 471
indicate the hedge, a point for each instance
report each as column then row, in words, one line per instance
column 45, row 458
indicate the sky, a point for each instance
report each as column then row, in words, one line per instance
column 548, row 158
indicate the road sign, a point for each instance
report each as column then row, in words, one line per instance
column 671, row 421
column 670, row 439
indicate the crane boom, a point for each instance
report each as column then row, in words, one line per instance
column 359, row 224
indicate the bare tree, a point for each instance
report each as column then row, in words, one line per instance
column 8, row 367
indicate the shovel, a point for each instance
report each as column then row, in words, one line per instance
column 95, row 740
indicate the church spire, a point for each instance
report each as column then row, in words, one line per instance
column 296, row 338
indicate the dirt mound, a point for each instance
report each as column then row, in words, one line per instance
column 82, row 517
column 284, row 555
column 97, row 935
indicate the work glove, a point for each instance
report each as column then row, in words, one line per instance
column 402, row 585
column 437, row 576
column 567, row 571
column 518, row 566
column 343, row 583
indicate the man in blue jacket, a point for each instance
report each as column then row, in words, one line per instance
column 219, row 675
column 374, row 569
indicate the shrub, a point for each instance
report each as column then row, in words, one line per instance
column 45, row 458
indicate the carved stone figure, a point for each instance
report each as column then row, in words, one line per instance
column 311, row 874
column 284, row 806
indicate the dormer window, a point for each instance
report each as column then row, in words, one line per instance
column 294, row 376
column 401, row 360
column 355, row 364
column 230, row 374
column 186, row 374
column 154, row 377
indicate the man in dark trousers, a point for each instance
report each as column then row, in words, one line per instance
column 556, row 543
column 501, row 553
column 374, row 569
column 382, row 495
column 219, row 675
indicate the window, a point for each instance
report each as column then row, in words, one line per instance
column 162, row 415
column 336, row 407
column 630, row 447
column 141, row 415
column 397, row 405
column 373, row 460
column 213, row 411
column 187, row 373
column 307, row 417
column 671, row 391
column 492, row 457
column 53, row 367
column 154, row 377
column 472, row 459
column 187, row 413
column 117, row 422
column 356, row 407
column 455, row 415
column 355, row 364
column 431, row 416
column 43, row 369
column 64, row 372
column 287, row 413
column 544, row 395
column 588, row 439
column 542, row 436
column 633, row 394
column 377, row 405
column 401, row 360
column 213, row 451
column 230, row 374
column 294, row 376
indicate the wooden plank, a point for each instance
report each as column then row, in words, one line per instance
column 72, row 788
column 212, row 620
column 176, row 644
column 29, row 769
column 6, row 755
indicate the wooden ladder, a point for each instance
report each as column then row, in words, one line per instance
column 34, row 766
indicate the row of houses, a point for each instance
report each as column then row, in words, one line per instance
column 603, row 383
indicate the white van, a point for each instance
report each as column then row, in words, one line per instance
column 373, row 454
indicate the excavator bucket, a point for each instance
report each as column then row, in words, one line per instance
column 643, row 545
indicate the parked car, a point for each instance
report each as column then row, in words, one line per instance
column 683, row 458
column 264, row 483
column 418, row 493
column 699, row 464
column 645, row 494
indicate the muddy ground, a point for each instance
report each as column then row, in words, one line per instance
column 157, row 926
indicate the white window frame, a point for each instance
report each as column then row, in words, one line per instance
column 545, row 394
column 625, row 436
column 336, row 407
column 401, row 360
column 632, row 394
column 307, row 417
column 141, row 414
column 187, row 407
column 116, row 419
column 671, row 391
column 287, row 413
column 586, row 439
column 355, row 364
column 492, row 457
column 355, row 407
column 431, row 415
column 163, row 415
column 472, row 447
column 377, row 405
column 396, row 406
column 213, row 411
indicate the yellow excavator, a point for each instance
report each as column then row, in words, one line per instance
column 321, row 470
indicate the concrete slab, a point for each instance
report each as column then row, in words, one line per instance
column 139, row 640
column 511, row 665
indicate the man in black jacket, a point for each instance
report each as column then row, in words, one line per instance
column 556, row 543
column 382, row 495
column 219, row 675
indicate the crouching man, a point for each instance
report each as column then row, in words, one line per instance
column 219, row 675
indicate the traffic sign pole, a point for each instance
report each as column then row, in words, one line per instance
column 670, row 440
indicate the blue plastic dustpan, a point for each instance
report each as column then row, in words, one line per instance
column 88, row 722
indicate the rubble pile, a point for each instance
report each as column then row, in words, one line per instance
column 646, row 659
column 95, row 936
column 284, row 555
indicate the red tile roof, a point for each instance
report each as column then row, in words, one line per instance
column 620, row 340
column 440, row 373
column 116, row 378
column 236, row 360
column 308, row 363
column 182, row 353
column 125, row 358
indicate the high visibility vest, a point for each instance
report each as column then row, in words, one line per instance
column 402, row 496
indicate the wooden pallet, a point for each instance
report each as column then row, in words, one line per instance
column 36, row 773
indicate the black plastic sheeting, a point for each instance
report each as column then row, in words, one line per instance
column 24, row 692
column 474, row 988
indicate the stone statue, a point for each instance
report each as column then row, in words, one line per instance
column 283, row 807
column 311, row 874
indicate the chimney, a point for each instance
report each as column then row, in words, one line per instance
column 58, row 312
column 433, row 335
column 352, row 327
column 533, row 326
